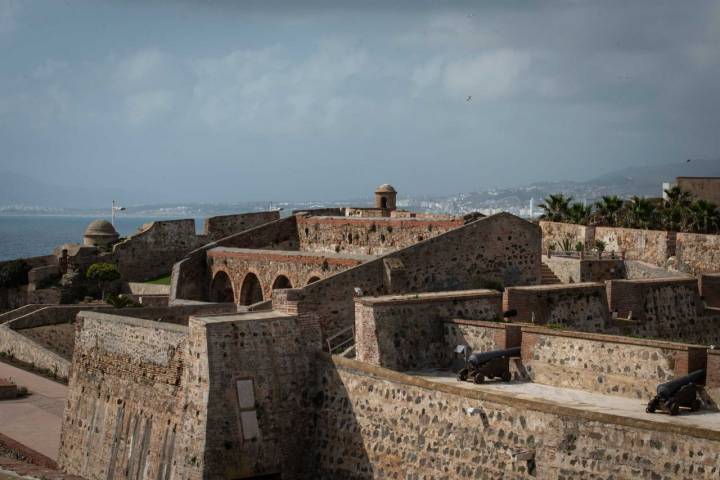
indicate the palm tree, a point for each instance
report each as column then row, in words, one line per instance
column 640, row 213
column 608, row 209
column 579, row 213
column 676, row 211
column 704, row 217
column 555, row 207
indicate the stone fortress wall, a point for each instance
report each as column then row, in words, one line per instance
column 501, row 248
column 253, row 395
column 341, row 419
column 368, row 236
column 687, row 252
column 448, row 431
column 152, row 251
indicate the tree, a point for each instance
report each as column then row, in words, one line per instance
column 579, row 213
column 640, row 213
column 676, row 208
column 555, row 207
column 607, row 210
column 103, row 273
column 704, row 217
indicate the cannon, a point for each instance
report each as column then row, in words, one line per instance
column 679, row 392
column 482, row 365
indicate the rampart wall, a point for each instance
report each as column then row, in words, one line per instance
column 191, row 275
column 405, row 332
column 581, row 306
column 358, row 434
column 501, row 248
column 577, row 270
column 608, row 364
column 694, row 253
column 151, row 252
column 251, row 375
column 299, row 268
column 709, row 290
column 555, row 234
column 368, row 236
column 698, row 254
column 223, row 226
column 125, row 399
column 481, row 336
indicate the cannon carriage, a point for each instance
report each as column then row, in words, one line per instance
column 681, row 392
column 488, row 365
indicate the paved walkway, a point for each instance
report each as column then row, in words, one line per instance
column 581, row 399
column 34, row 420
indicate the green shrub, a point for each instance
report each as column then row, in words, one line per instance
column 14, row 274
column 103, row 274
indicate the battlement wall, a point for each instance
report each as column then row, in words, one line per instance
column 582, row 306
column 369, row 236
column 495, row 435
column 608, row 364
column 221, row 226
column 500, row 248
column 404, row 332
column 124, row 399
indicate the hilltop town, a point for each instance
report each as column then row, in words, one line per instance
column 372, row 342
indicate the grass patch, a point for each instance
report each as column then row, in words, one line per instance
column 164, row 280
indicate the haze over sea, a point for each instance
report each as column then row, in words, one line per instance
column 33, row 235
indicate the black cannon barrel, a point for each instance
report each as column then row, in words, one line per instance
column 478, row 358
column 668, row 389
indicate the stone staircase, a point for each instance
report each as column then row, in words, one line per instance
column 547, row 276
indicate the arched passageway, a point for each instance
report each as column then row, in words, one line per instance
column 251, row 291
column 221, row 289
column 281, row 282
column 313, row 280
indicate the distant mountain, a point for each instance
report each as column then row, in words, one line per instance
column 648, row 180
column 21, row 190
column 22, row 194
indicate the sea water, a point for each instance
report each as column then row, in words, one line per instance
column 34, row 235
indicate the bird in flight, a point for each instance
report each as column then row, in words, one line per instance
column 469, row 97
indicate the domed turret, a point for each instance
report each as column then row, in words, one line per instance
column 100, row 233
column 385, row 197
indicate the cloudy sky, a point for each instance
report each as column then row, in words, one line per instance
column 230, row 101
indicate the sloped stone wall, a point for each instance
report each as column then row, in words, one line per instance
column 375, row 423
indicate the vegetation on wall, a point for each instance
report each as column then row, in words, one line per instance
column 677, row 212
column 103, row 274
column 14, row 274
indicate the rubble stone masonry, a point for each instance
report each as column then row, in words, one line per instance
column 405, row 332
column 376, row 423
column 608, row 364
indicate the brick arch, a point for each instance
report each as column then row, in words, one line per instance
column 221, row 288
column 313, row 278
column 251, row 290
column 282, row 281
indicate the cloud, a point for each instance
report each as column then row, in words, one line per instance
column 148, row 106
column 271, row 90
column 9, row 11
column 489, row 76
